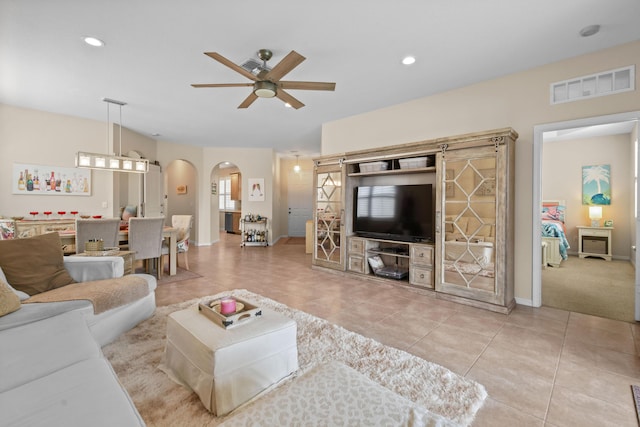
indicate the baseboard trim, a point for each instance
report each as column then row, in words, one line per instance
column 523, row 301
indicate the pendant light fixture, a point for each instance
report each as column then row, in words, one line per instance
column 296, row 168
column 112, row 162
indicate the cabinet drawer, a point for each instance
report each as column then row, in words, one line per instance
column 356, row 246
column 599, row 233
column 356, row 264
column 422, row 255
column 421, row 277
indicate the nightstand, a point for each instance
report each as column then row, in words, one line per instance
column 594, row 242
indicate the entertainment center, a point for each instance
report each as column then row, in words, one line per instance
column 434, row 215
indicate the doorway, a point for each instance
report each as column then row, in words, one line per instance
column 300, row 201
column 226, row 200
column 539, row 140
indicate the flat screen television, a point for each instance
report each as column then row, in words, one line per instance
column 394, row 212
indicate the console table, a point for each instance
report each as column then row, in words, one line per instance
column 594, row 242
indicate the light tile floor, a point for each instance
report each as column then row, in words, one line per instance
column 541, row 367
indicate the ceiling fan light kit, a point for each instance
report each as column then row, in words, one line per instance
column 267, row 83
column 265, row 89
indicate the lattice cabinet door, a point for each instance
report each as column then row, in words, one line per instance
column 472, row 213
column 329, row 216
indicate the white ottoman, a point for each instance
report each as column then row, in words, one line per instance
column 227, row 367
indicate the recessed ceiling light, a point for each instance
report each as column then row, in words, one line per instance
column 92, row 41
column 408, row 60
column 589, row 30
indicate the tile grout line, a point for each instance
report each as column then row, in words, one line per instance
column 557, row 368
column 484, row 349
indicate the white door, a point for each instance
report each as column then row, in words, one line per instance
column 152, row 192
column 300, row 197
column 635, row 254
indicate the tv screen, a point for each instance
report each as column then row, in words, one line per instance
column 394, row 212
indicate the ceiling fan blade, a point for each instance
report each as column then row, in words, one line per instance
column 307, row 85
column 289, row 99
column 224, row 61
column 222, row 85
column 248, row 100
column 291, row 61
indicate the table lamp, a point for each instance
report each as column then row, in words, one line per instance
column 595, row 214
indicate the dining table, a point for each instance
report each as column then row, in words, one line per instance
column 171, row 233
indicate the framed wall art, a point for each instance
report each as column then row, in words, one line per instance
column 256, row 189
column 42, row 180
column 596, row 187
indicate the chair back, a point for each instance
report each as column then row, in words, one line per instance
column 99, row 229
column 145, row 237
column 183, row 223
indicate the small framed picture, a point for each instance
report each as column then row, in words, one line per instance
column 181, row 189
column 608, row 223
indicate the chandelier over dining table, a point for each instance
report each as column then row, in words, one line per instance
column 118, row 163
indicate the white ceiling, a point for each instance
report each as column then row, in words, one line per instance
column 154, row 51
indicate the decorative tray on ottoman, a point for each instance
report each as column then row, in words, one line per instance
column 245, row 311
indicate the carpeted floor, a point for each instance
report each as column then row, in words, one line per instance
column 135, row 357
column 591, row 286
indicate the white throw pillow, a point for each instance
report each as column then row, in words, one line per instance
column 22, row 295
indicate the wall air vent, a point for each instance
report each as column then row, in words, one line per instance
column 600, row 84
column 254, row 66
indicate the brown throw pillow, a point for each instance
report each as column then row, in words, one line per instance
column 35, row 264
column 9, row 301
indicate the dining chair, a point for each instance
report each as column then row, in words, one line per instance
column 98, row 229
column 145, row 239
column 183, row 223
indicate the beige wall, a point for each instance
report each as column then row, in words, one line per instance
column 41, row 138
column 519, row 100
column 562, row 163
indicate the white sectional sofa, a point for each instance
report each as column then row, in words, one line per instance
column 52, row 370
column 54, row 374
column 106, row 326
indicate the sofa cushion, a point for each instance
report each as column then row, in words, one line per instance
column 86, row 393
column 40, row 348
column 9, row 302
column 30, row 313
column 20, row 257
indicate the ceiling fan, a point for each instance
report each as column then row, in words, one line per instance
column 266, row 81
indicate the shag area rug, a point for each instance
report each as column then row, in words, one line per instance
column 136, row 355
